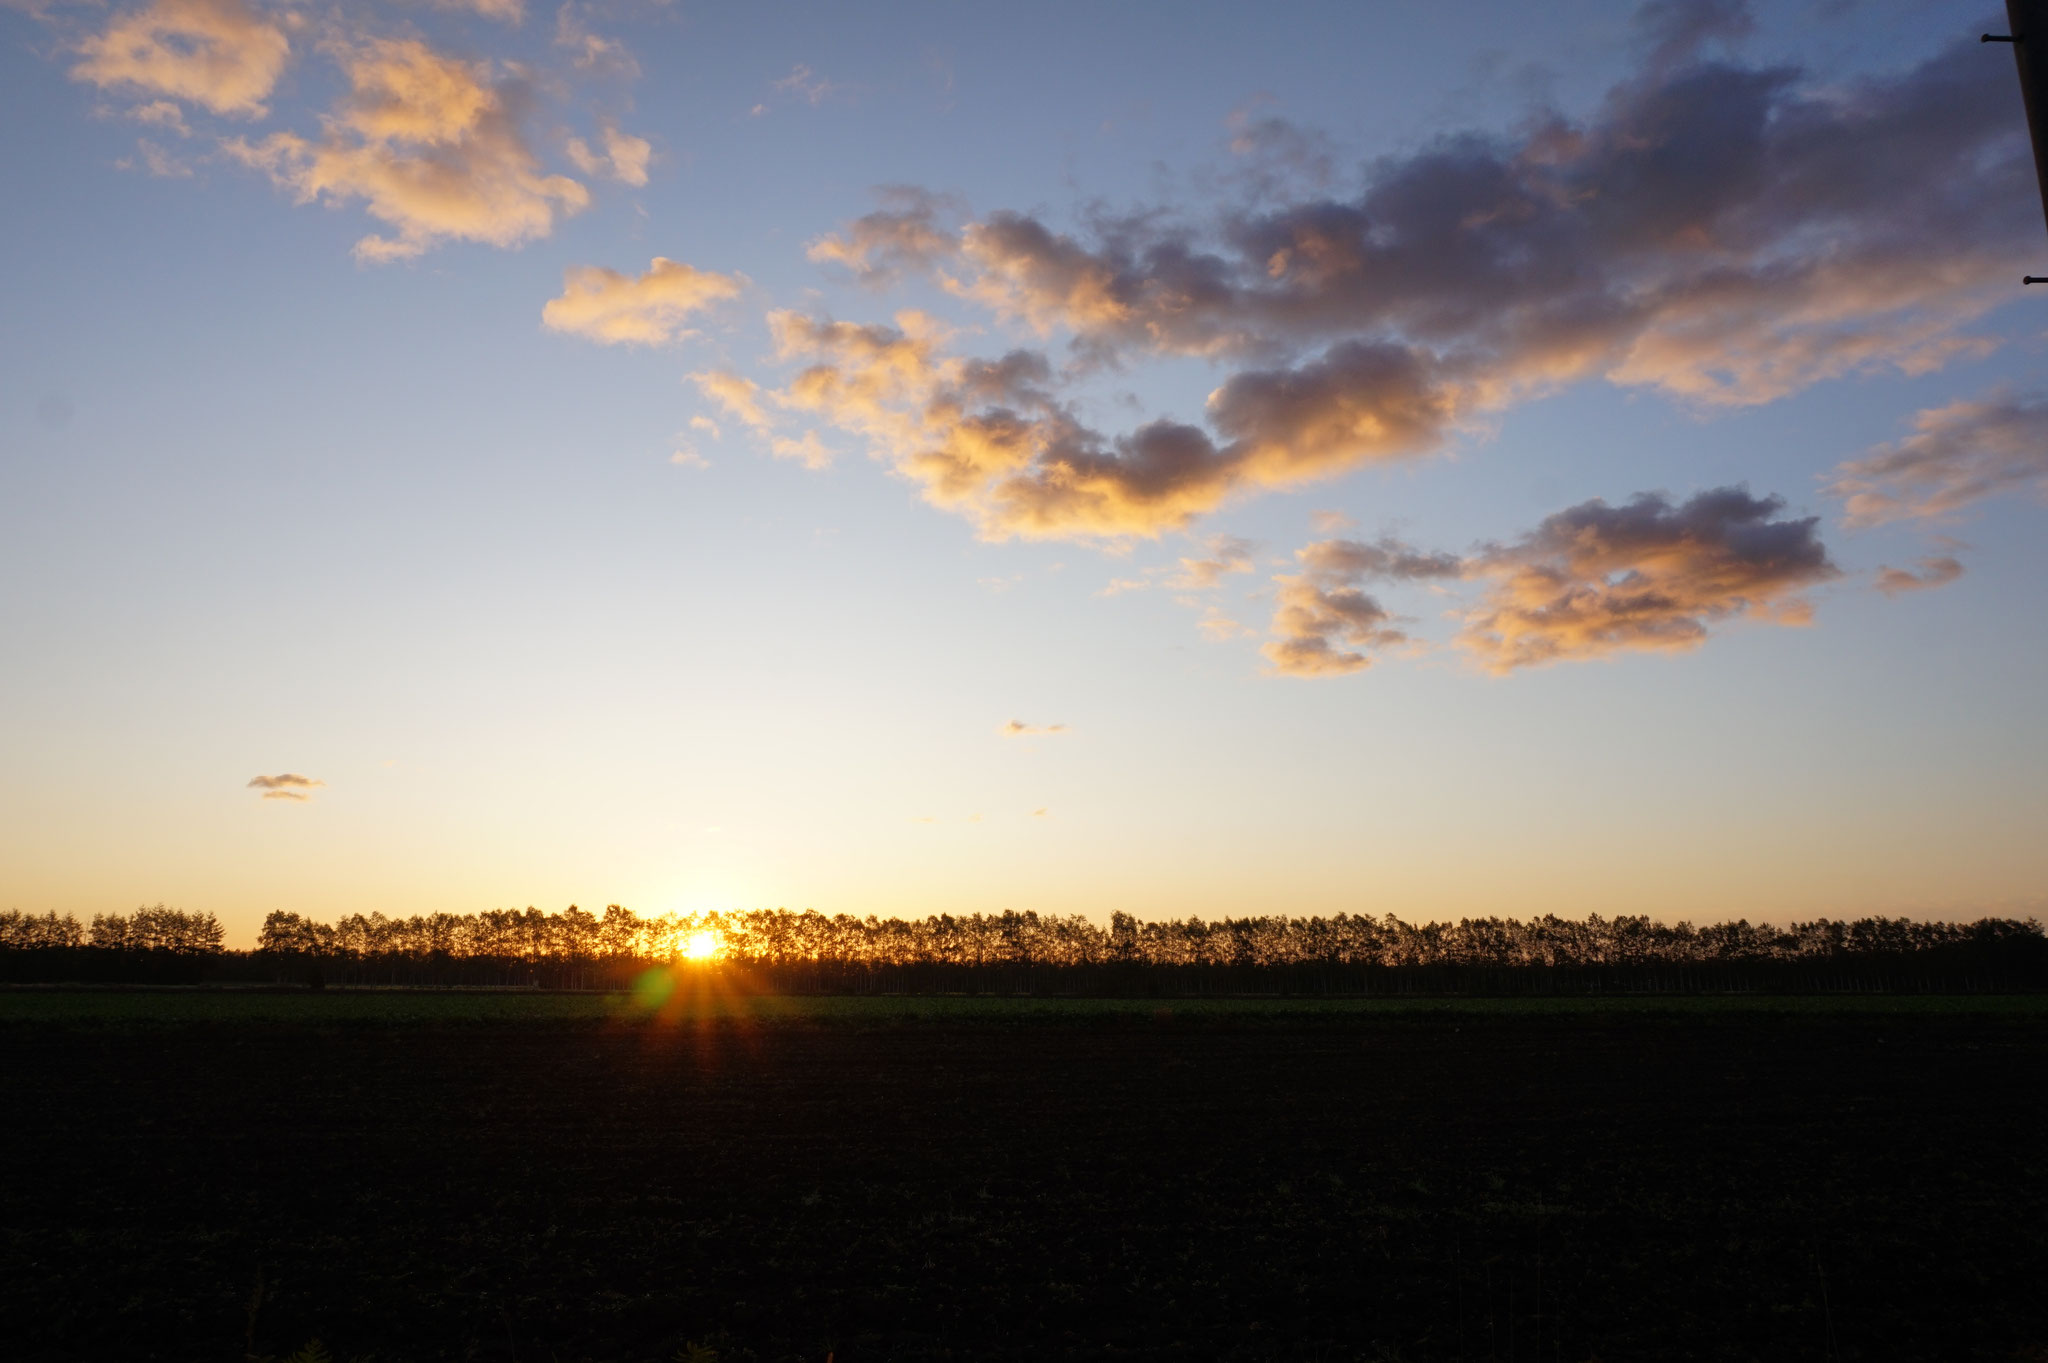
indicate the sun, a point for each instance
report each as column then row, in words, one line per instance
column 700, row 946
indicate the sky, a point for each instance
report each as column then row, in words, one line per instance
column 1171, row 458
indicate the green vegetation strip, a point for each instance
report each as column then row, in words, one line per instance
column 201, row 1005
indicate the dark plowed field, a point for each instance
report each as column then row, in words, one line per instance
column 1543, row 1187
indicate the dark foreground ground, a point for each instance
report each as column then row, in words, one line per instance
column 1527, row 1184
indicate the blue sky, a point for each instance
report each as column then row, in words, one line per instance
column 272, row 503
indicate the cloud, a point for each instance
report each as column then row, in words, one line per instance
column 156, row 160
column 1017, row 728
column 1675, row 31
column 804, row 84
column 993, row 440
column 161, row 113
column 624, row 157
column 649, row 309
column 430, row 145
column 1387, row 560
column 1597, row 579
column 505, row 11
column 1324, row 622
column 285, row 786
column 1723, row 233
column 219, row 54
column 1277, row 150
column 904, row 234
column 708, row 426
column 607, row 58
column 1226, row 554
column 1969, row 450
column 1716, row 233
column 1937, row 571
column 807, row 450
column 738, row 395
column 1219, row 628
column 683, row 456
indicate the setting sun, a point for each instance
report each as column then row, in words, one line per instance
column 700, row 946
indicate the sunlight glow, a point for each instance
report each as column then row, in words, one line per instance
column 700, row 946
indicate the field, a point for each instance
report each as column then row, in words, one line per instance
column 506, row 1176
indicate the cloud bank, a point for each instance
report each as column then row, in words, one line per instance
column 1721, row 233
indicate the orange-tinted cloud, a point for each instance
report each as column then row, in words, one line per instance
column 1724, row 233
column 430, row 145
column 219, row 54
column 621, row 156
column 806, row 449
column 161, row 113
column 649, row 309
column 735, row 393
column 1936, row 571
column 1324, row 623
column 904, row 234
column 1598, row 579
column 1959, row 454
column 285, row 786
column 1017, row 728
column 991, row 438
column 1226, row 554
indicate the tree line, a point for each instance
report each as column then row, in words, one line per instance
column 772, row 937
column 601, row 946
column 147, row 929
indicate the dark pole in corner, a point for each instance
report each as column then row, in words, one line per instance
column 2029, row 39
